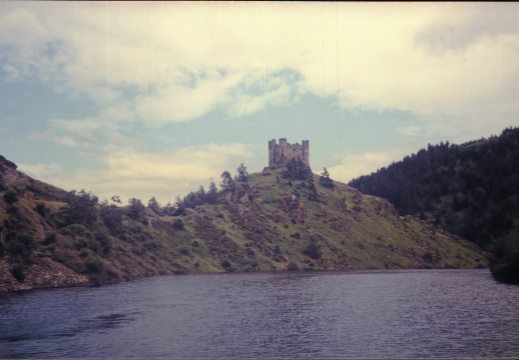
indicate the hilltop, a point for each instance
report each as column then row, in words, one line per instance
column 259, row 222
column 471, row 190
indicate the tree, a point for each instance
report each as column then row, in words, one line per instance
column 201, row 196
column 168, row 209
column 136, row 210
column 325, row 180
column 227, row 181
column 243, row 175
column 180, row 206
column 112, row 216
column 116, row 199
column 212, row 194
column 296, row 170
column 154, row 206
column 312, row 190
column 81, row 208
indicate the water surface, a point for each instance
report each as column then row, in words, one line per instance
column 355, row 314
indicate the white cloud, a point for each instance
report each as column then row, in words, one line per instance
column 185, row 59
column 43, row 172
column 141, row 174
column 452, row 66
column 354, row 165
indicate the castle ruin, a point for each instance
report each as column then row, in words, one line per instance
column 280, row 154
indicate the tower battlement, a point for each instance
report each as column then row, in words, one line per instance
column 280, row 154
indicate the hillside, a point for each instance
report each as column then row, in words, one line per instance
column 257, row 222
column 471, row 190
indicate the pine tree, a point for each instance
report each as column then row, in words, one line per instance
column 243, row 175
column 325, row 180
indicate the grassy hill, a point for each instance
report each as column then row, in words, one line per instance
column 49, row 237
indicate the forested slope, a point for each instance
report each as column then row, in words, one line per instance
column 471, row 190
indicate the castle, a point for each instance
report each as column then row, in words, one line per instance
column 280, row 154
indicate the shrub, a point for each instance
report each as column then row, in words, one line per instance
column 18, row 273
column 10, row 197
column 50, row 237
column 313, row 250
column 41, row 209
column 292, row 266
column 21, row 244
column 178, row 224
column 77, row 230
column 102, row 235
column 94, row 264
column 226, row 264
column 184, row 251
column 427, row 257
column 81, row 243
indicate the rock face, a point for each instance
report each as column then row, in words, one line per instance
column 43, row 273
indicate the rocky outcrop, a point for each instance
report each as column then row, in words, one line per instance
column 43, row 273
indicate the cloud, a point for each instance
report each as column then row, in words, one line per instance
column 43, row 172
column 182, row 60
column 143, row 174
column 461, row 26
column 354, row 165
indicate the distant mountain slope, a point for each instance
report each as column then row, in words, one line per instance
column 258, row 222
column 471, row 190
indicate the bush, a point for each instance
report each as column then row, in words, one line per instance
column 292, row 266
column 102, row 235
column 184, row 251
column 178, row 224
column 10, row 197
column 94, row 264
column 81, row 243
column 21, row 244
column 50, row 237
column 18, row 273
column 313, row 250
column 41, row 209
column 427, row 257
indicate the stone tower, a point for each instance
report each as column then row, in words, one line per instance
column 280, row 154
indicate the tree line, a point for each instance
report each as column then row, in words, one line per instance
column 471, row 190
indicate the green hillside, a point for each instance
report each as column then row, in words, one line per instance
column 258, row 222
column 471, row 190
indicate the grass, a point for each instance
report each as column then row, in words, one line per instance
column 257, row 235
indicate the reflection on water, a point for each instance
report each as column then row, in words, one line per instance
column 361, row 314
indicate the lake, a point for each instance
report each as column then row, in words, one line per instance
column 348, row 314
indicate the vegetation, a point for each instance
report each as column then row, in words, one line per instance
column 471, row 190
column 284, row 219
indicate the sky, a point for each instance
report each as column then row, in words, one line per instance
column 153, row 99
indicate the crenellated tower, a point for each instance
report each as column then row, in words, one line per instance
column 280, row 154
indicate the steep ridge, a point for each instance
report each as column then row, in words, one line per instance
column 52, row 238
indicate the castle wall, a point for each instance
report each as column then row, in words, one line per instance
column 280, row 154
